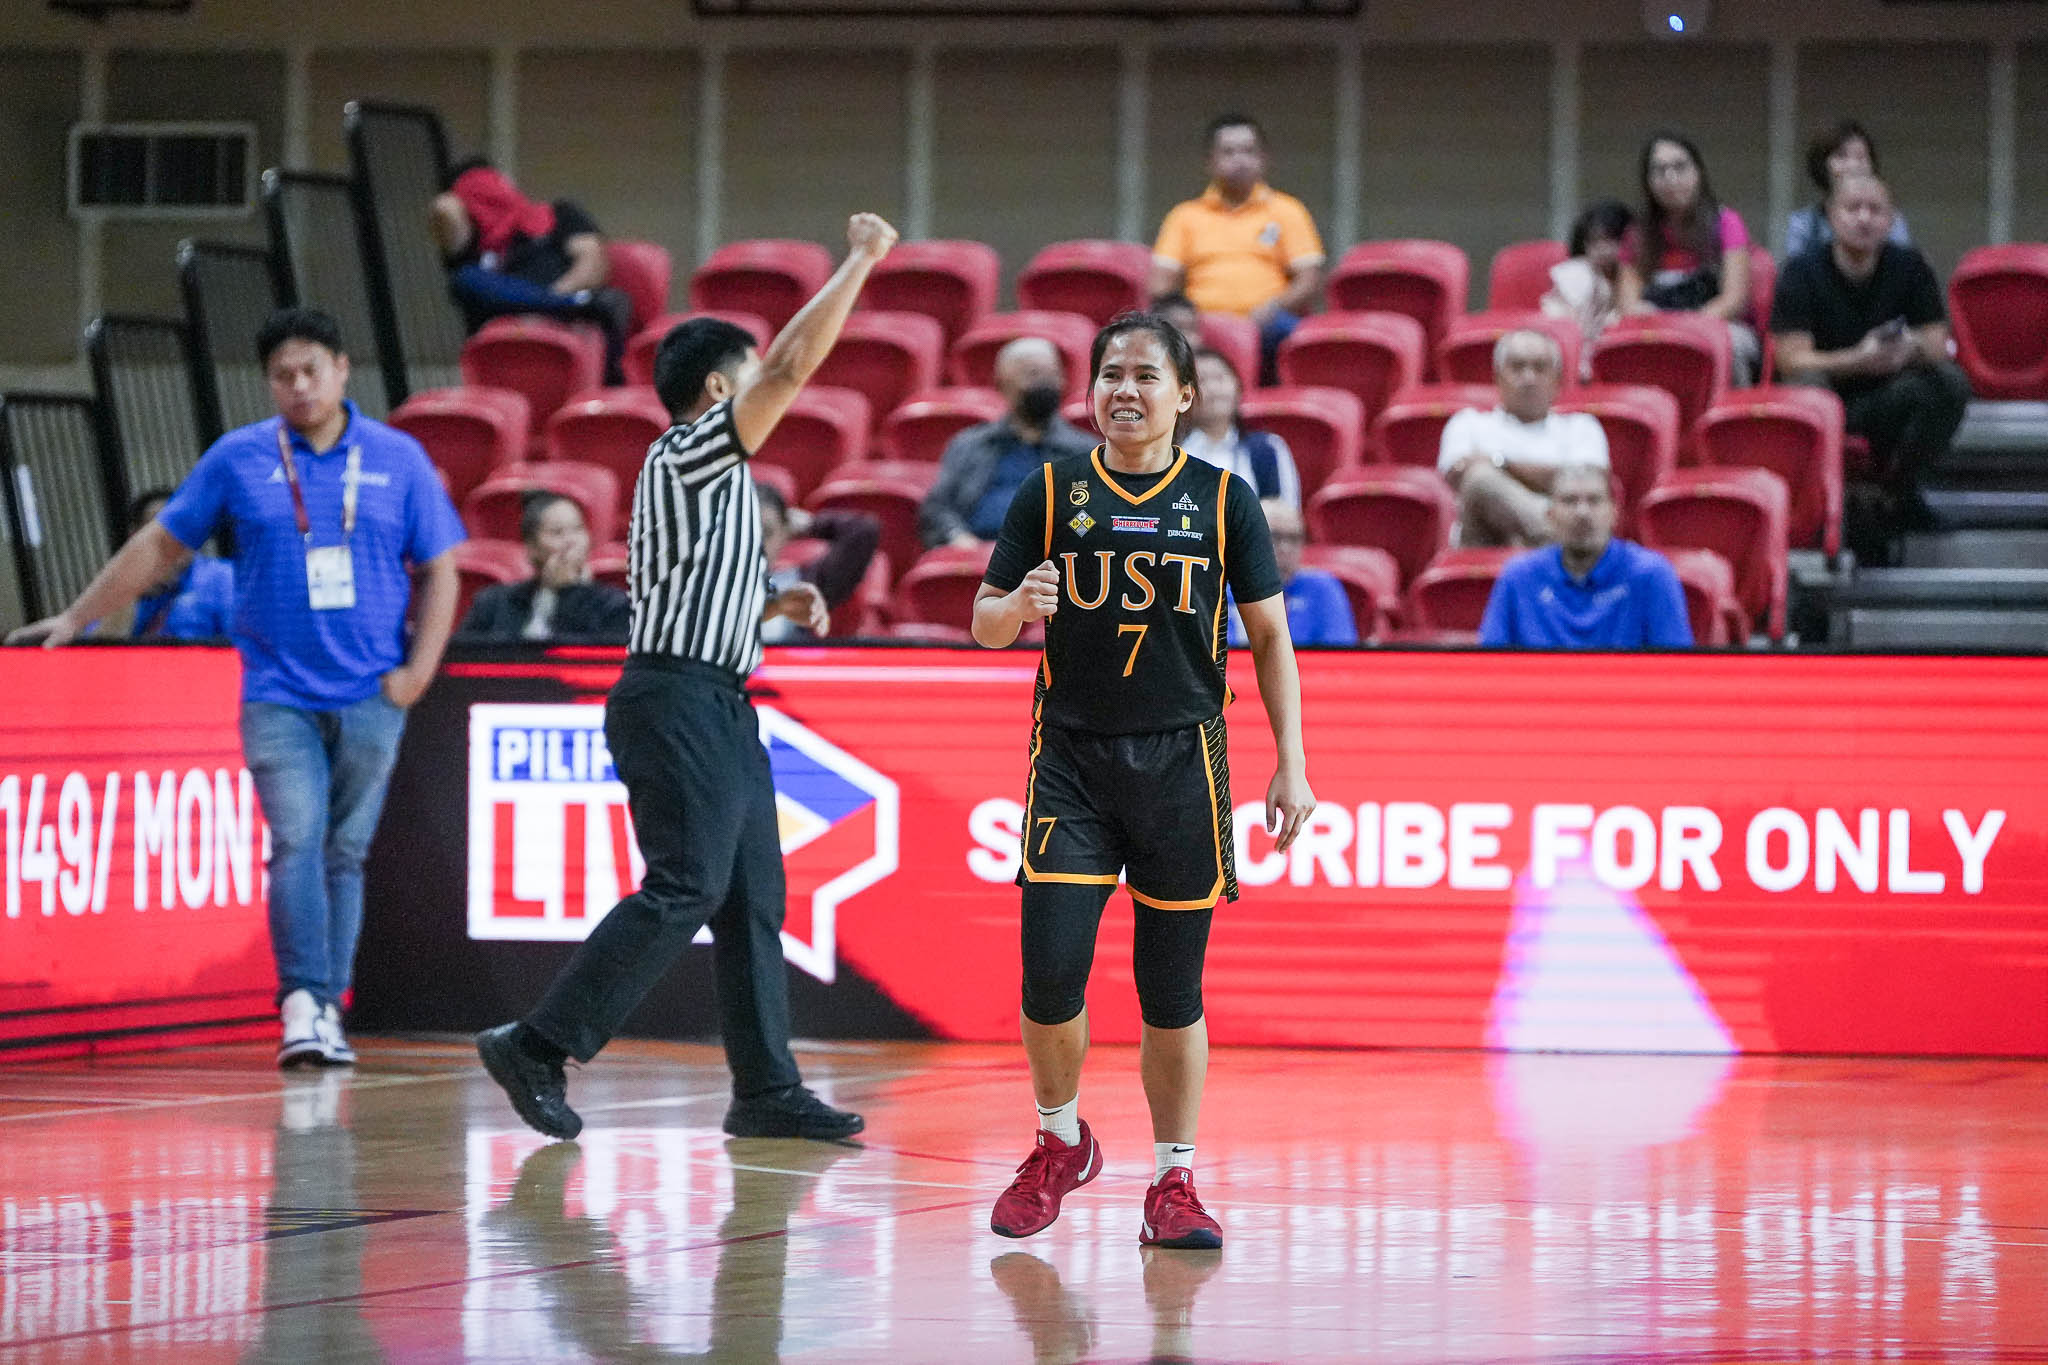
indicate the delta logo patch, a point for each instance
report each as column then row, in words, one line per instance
column 551, row 846
column 1142, row 525
column 1187, row 503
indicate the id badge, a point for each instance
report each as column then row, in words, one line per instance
column 330, row 578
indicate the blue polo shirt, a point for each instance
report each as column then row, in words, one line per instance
column 199, row 606
column 292, row 654
column 1631, row 599
column 1318, row 612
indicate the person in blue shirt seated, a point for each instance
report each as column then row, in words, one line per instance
column 984, row 465
column 1318, row 611
column 195, row 601
column 1589, row 590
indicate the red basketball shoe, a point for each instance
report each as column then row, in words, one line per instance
column 1175, row 1218
column 1052, row 1172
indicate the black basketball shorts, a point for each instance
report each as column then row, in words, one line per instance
column 1154, row 806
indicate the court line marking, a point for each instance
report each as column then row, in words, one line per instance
column 183, row 1101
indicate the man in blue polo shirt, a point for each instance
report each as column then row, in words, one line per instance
column 334, row 517
column 1589, row 590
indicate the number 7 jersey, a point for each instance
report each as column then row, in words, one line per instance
column 1138, row 642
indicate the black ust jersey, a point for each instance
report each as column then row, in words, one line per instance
column 1138, row 642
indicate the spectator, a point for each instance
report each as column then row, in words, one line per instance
column 335, row 517
column 560, row 602
column 1582, row 288
column 1180, row 310
column 1864, row 316
column 1590, row 590
column 1260, row 458
column 1318, row 610
column 1689, row 252
column 983, row 465
column 1847, row 150
column 1243, row 247
column 506, row 253
column 1502, row 463
column 850, row 538
column 193, row 601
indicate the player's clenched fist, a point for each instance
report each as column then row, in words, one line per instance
column 1039, row 593
column 869, row 234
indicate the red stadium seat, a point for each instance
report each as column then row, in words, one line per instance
column 1796, row 432
column 482, row 563
column 866, row 612
column 536, row 357
column 920, row 428
column 1373, row 355
column 1763, row 286
column 1372, row 582
column 974, row 354
column 1324, row 428
column 930, row 633
column 884, row 357
column 1411, row 430
column 1095, row 278
column 1406, row 512
column 612, row 428
column 1685, row 354
column 941, row 586
column 467, row 432
column 608, row 564
column 1710, row 603
column 953, row 283
column 1737, row 513
column 1451, row 593
column 1641, row 424
column 492, row 508
column 891, row 494
column 777, row 478
column 1998, row 306
column 823, row 429
column 1465, row 355
column 1520, row 275
column 768, row 277
column 639, row 358
column 1236, row 339
column 1424, row 280
column 1080, row 412
column 643, row 270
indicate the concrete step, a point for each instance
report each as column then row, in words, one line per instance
column 1989, row 508
column 1993, row 631
column 1978, row 549
column 2013, row 588
column 1990, row 425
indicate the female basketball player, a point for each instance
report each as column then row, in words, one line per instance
column 1125, row 554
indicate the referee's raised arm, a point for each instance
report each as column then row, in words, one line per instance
column 800, row 347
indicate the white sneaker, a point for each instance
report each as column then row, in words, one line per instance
column 333, row 1042
column 302, row 1044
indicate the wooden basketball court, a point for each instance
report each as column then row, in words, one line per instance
column 198, row 1206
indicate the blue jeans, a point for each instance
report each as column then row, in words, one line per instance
column 1272, row 332
column 321, row 777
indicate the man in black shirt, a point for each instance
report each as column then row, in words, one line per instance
column 1125, row 553
column 1864, row 316
column 506, row 253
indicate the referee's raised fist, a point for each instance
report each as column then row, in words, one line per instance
column 869, row 234
column 1040, row 592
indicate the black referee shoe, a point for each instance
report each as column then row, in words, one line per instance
column 538, row 1091
column 794, row 1112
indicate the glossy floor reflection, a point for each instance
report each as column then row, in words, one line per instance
column 1378, row 1206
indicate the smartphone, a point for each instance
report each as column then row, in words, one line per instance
column 1893, row 330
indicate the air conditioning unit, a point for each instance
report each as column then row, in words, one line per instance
column 162, row 170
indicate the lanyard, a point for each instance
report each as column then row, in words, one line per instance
column 351, row 484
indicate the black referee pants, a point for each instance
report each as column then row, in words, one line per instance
column 686, row 744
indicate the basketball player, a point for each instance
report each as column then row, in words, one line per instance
column 1125, row 554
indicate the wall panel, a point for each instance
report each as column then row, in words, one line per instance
column 39, row 271
column 812, row 135
column 2030, row 189
column 455, row 82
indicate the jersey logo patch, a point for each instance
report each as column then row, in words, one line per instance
column 1078, row 494
column 1187, row 503
column 1082, row 523
column 1142, row 525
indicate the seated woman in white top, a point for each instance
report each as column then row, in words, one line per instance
column 1846, row 150
column 1260, row 458
column 1582, row 288
column 1501, row 463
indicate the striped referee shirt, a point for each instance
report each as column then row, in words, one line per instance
column 697, row 573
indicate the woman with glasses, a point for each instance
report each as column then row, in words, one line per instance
column 1689, row 252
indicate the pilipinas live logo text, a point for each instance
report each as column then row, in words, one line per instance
column 551, row 844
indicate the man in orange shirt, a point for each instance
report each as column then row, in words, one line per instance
column 1243, row 247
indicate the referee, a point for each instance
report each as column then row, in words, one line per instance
column 684, row 739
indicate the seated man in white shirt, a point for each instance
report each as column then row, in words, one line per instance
column 1502, row 462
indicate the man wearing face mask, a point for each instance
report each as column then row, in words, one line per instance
column 984, row 465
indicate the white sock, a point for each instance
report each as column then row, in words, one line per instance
column 1064, row 1122
column 1167, row 1155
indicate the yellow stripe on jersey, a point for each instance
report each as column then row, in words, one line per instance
column 1048, row 512
column 1164, row 479
column 1216, row 637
